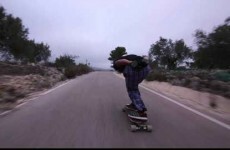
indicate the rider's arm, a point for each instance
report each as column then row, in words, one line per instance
column 123, row 62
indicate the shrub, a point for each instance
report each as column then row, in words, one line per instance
column 159, row 76
column 83, row 69
column 49, row 64
column 71, row 72
column 76, row 70
column 222, row 76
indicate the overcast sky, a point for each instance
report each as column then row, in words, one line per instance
column 92, row 28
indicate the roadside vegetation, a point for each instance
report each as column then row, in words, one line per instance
column 206, row 68
column 25, row 64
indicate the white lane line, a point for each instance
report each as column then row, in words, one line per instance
column 23, row 103
column 188, row 108
column 54, row 88
column 6, row 112
column 20, row 105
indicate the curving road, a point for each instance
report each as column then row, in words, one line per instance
column 86, row 113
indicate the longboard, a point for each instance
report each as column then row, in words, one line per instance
column 136, row 124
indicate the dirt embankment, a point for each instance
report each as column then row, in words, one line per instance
column 200, row 99
column 18, row 81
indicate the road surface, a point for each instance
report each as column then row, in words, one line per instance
column 86, row 113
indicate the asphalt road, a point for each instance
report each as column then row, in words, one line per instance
column 86, row 113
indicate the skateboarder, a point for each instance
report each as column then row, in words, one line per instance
column 134, row 68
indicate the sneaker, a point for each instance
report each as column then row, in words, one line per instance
column 131, row 107
column 139, row 115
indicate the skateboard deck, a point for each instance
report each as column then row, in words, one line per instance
column 137, row 124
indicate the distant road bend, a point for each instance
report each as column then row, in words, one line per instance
column 86, row 113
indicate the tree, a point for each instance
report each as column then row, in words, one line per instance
column 42, row 52
column 14, row 36
column 169, row 54
column 213, row 48
column 2, row 30
column 4, row 48
column 35, row 52
column 117, row 53
column 65, row 61
column 14, row 42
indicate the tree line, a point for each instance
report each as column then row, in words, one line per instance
column 16, row 46
column 213, row 51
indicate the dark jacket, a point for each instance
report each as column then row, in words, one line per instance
column 131, row 57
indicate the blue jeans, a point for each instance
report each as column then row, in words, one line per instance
column 132, row 79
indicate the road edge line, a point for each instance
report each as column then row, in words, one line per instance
column 184, row 106
column 23, row 103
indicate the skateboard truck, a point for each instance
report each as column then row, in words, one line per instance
column 140, row 127
column 137, row 125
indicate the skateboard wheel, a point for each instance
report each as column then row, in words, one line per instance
column 133, row 128
column 123, row 109
column 149, row 128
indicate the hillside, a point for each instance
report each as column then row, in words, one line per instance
column 18, row 81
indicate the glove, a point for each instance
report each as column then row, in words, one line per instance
column 134, row 64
